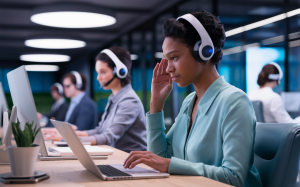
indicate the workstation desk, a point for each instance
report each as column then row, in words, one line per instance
column 71, row 173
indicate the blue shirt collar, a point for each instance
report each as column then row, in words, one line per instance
column 208, row 97
column 76, row 100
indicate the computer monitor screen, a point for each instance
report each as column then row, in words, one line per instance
column 291, row 101
column 22, row 98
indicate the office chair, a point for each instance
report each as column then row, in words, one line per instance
column 258, row 109
column 277, row 153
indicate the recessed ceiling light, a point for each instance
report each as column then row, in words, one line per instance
column 73, row 16
column 45, row 58
column 54, row 43
column 41, row 68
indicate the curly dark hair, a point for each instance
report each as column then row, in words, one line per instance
column 124, row 57
column 186, row 33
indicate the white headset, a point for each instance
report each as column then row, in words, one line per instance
column 78, row 79
column 60, row 88
column 121, row 70
column 204, row 48
column 276, row 76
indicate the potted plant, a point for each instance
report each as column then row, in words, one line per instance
column 23, row 157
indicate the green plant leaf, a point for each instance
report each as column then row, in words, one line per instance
column 26, row 137
column 15, row 126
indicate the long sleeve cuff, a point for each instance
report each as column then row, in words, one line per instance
column 101, row 139
column 155, row 121
column 182, row 167
column 91, row 132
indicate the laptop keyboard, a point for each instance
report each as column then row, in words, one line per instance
column 52, row 150
column 111, row 171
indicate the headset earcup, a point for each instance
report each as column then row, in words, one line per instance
column 196, row 51
column 197, row 56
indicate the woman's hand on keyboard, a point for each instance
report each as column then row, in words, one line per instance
column 146, row 157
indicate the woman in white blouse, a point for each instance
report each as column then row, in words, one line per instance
column 273, row 107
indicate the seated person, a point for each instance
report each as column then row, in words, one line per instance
column 59, row 107
column 82, row 111
column 273, row 107
column 214, row 132
column 123, row 122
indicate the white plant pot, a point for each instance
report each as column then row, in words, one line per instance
column 22, row 160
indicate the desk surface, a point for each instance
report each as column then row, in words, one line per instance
column 72, row 174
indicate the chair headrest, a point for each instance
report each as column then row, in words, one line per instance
column 269, row 137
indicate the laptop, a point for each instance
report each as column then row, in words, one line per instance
column 92, row 150
column 104, row 172
column 22, row 98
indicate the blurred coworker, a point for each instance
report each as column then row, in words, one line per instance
column 123, row 122
column 273, row 107
column 214, row 132
column 82, row 111
column 59, row 107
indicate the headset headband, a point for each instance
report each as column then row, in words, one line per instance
column 276, row 76
column 78, row 79
column 60, row 88
column 121, row 69
column 205, row 38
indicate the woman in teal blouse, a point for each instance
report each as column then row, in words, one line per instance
column 214, row 132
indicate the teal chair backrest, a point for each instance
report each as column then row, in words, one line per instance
column 258, row 109
column 277, row 153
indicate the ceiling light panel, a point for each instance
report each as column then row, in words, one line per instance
column 273, row 40
column 294, row 43
column 294, row 35
column 73, row 15
column 47, row 68
column 265, row 22
column 44, row 58
column 55, row 43
column 293, row 12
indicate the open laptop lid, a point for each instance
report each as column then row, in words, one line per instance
column 76, row 146
column 22, row 98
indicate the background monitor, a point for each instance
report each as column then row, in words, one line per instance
column 291, row 101
column 22, row 98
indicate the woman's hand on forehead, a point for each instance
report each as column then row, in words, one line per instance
column 161, row 86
